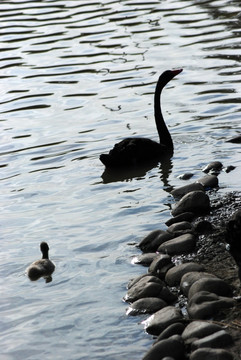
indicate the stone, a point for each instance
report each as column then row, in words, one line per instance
column 174, row 275
column 149, row 277
column 183, row 190
column 185, row 176
column 189, row 278
column 214, row 167
column 146, row 306
column 179, row 245
column 172, row 347
column 230, row 168
column 159, row 321
column 147, row 286
column 145, row 259
column 151, row 242
column 218, row 339
column 196, row 201
column 211, row 354
column 173, row 329
column 187, row 216
column 200, row 329
column 162, row 272
column 204, row 304
column 158, row 263
column 203, row 227
column 214, row 285
column 183, row 225
column 208, row 181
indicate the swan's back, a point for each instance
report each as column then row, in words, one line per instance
column 42, row 267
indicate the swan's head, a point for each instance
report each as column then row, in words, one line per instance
column 44, row 247
column 168, row 75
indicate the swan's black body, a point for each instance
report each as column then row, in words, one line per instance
column 137, row 151
column 43, row 267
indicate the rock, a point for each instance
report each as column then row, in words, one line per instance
column 145, row 259
column 208, row 181
column 151, row 242
column 182, row 225
column 174, row 275
column 162, row 272
column 173, row 329
column 172, row 347
column 167, row 295
column 183, row 190
column 230, row 168
column 203, row 227
column 146, row 306
column 200, row 329
column 196, row 201
column 214, row 167
column 150, row 278
column 218, row 339
column 189, row 278
column 214, row 285
column 205, row 304
column 179, row 245
column 235, row 139
column 185, row 176
column 158, row 263
column 147, row 286
column 211, row 354
column 187, row 216
column 159, row 321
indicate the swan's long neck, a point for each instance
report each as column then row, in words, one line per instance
column 164, row 135
column 45, row 253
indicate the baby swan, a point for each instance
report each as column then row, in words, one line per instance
column 43, row 267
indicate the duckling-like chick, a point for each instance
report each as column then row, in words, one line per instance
column 43, row 267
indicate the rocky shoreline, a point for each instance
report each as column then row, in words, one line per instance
column 191, row 290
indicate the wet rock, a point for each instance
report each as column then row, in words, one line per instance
column 214, row 167
column 162, row 272
column 172, row 347
column 211, row 354
column 230, row 168
column 196, row 201
column 145, row 259
column 173, row 329
column 159, row 321
column 214, row 285
column 185, row 176
column 183, row 190
column 203, row 227
column 153, row 240
column 182, row 225
column 218, row 339
column 179, row 245
column 205, row 304
column 146, row 306
column 191, row 277
column 187, row 216
column 159, row 262
column 174, row 275
column 148, row 278
column 235, row 139
column 208, row 181
column 199, row 329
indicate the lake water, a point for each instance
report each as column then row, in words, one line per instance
column 76, row 77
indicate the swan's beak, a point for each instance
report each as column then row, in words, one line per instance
column 176, row 72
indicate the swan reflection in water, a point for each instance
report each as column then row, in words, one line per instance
column 43, row 267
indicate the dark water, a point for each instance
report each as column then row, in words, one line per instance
column 77, row 76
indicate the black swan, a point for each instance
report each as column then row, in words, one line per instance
column 43, row 267
column 136, row 151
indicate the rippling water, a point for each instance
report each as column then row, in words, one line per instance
column 76, row 77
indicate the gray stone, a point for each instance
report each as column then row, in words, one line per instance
column 159, row 321
column 183, row 190
column 145, row 259
column 179, row 245
column 214, row 285
column 162, row 272
column 151, row 242
column 218, row 339
column 185, row 176
column 174, row 275
column 146, row 306
column 196, row 201
column 167, row 295
column 203, row 227
column 211, row 354
column 191, row 277
column 187, row 216
column 158, row 263
column 148, row 286
column 200, row 329
column 149, row 277
column 182, row 225
column 173, row 329
column 172, row 347
column 208, row 181
column 204, row 305
column 213, row 167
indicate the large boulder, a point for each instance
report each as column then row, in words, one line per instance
column 196, row 201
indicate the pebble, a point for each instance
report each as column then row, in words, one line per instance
column 230, row 168
column 196, row 201
column 189, row 278
column 159, row 262
column 185, row 176
column 214, row 285
column 179, row 245
column 211, row 354
column 187, row 216
column 159, row 321
column 145, row 306
column 172, row 347
column 218, row 339
column 183, row 190
column 174, row 275
column 208, row 181
column 204, row 304
column 199, row 329
column 214, row 167
column 153, row 240
column 145, row 259
column 173, row 329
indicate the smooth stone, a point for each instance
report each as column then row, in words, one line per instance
column 173, row 329
column 146, row 286
column 149, row 277
column 167, row 295
column 172, row 347
column 208, row 181
column 174, row 275
column 152, row 241
column 179, row 245
column 162, row 272
column 146, row 306
column 182, row 225
column 186, row 216
column 199, row 329
column 211, row 354
column 214, row 166
column 183, row 190
column 230, row 168
column 158, row 263
column 196, row 201
column 145, row 259
column 205, row 304
column 218, row 339
column 191, row 277
column 235, row 139
column 214, row 285
column 185, row 176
